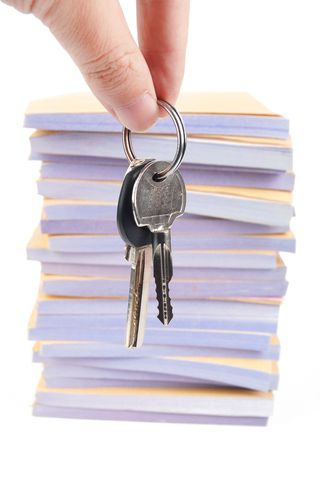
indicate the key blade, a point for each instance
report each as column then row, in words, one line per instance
column 162, row 271
column 138, row 295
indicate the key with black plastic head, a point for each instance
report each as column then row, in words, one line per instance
column 138, row 252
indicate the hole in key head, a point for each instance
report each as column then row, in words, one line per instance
column 156, row 178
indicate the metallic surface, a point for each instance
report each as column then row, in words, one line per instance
column 162, row 271
column 181, row 142
column 157, row 204
column 140, row 258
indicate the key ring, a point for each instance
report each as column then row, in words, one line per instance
column 181, row 142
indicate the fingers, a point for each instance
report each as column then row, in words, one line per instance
column 95, row 34
column 162, row 33
column 126, row 81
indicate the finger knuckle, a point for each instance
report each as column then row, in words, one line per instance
column 40, row 9
column 24, row 6
column 111, row 68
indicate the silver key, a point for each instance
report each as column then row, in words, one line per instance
column 156, row 204
column 162, row 271
column 141, row 261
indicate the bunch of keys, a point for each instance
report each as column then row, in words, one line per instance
column 152, row 196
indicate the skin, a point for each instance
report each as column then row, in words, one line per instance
column 125, row 77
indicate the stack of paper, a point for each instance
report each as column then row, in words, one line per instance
column 217, row 360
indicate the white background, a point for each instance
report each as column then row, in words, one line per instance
column 270, row 49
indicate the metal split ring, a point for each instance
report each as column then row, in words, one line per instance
column 181, row 142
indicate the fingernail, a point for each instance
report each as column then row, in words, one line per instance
column 140, row 114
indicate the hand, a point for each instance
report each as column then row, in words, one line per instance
column 127, row 80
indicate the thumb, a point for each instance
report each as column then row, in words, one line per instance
column 96, row 35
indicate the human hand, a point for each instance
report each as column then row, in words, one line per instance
column 125, row 78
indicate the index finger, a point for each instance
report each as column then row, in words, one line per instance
column 162, row 35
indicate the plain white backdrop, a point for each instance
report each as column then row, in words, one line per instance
column 270, row 49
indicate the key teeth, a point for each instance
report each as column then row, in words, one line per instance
column 164, row 320
column 162, row 271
